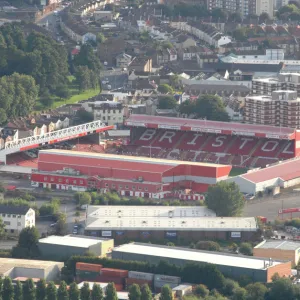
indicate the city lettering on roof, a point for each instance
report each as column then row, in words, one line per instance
column 169, row 126
column 206, row 130
column 276, row 136
column 243, row 133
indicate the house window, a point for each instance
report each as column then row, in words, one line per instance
column 126, row 187
column 74, row 182
column 52, row 179
column 113, row 186
column 14, row 216
column 146, row 189
column 81, row 181
column 3, row 215
column 19, row 216
column 140, row 188
column 12, row 230
column 45, row 178
column 8, row 215
column 67, row 180
column 19, row 223
column 106, row 184
column 59, row 180
column 120, row 186
column 6, row 223
column 133, row 187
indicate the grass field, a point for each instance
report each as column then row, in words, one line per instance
column 237, row 171
column 76, row 96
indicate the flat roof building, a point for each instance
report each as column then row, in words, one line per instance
column 258, row 269
column 65, row 246
column 282, row 175
column 48, row 270
column 165, row 222
column 279, row 249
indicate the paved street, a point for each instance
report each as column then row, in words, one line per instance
column 269, row 207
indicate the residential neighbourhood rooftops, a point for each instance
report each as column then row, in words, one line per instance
column 10, row 209
column 196, row 255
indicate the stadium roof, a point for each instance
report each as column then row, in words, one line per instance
column 210, row 126
column 285, row 170
column 149, row 211
column 195, row 255
column 173, row 224
column 282, row 245
column 160, row 164
column 71, row 241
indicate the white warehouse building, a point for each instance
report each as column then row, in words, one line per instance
column 282, row 175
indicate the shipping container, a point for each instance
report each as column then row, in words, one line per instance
column 167, row 279
column 140, row 282
column 102, row 278
column 141, row 275
column 86, row 274
column 114, row 273
column 88, row 267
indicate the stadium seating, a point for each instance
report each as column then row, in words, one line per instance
column 237, row 151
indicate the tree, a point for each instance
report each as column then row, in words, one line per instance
column 18, row 291
column 62, row 291
column 97, row 293
column 2, row 229
column 165, row 89
column 7, row 289
column 83, row 198
column 3, row 116
column 27, row 244
column 29, row 290
column 62, row 91
column 100, row 38
column 111, row 293
column 84, row 116
column 282, row 289
column 225, row 199
column 166, row 293
column 256, row 291
column 246, row 249
column 51, row 291
column 74, row 293
column 166, row 102
column 210, row 107
column 146, row 293
column 239, row 294
column 85, row 292
column 201, row 290
column 208, row 245
column 61, row 224
column 86, row 78
column 87, row 57
column 229, row 287
column 41, row 290
column 134, row 292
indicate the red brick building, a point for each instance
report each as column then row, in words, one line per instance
column 130, row 176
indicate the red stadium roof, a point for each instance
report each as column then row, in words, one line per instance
column 211, row 126
column 286, row 171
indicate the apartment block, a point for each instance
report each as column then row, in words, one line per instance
column 284, row 81
column 282, row 109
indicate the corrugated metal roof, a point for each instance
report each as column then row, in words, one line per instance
column 282, row 245
column 195, row 255
column 285, row 170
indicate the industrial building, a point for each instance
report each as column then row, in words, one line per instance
column 164, row 222
column 279, row 249
column 60, row 247
column 130, row 176
column 13, row 268
column 258, row 269
column 271, row 179
column 16, row 218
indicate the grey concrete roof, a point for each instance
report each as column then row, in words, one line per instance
column 282, row 245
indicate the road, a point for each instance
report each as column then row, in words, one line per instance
column 269, row 207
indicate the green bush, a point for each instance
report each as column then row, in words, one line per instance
column 208, row 246
column 246, row 249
